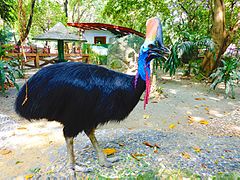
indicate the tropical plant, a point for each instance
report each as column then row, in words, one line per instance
column 173, row 61
column 9, row 70
column 227, row 74
column 186, row 51
column 181, row 52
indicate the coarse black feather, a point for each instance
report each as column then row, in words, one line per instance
column 80, row 96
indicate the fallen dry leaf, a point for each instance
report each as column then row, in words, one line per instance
column 226, row 150
column 136, row 155
column 185, row 155
column 203, row 121
column 197, row 149
column 18, row 162
column 206, row 108
column 139, row 154
column 5, row 151
column 109, row 151
column 200, row 120
column 148, row 144
column 121, row 144
column 21, row 128
column 171, row 126
column 190, row 120
column 146, row 116
column 200, row 99
column 157, row 146
column 28, row 176
column 203, row 165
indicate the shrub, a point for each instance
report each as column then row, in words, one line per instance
column 226, row 74
column 9, row 70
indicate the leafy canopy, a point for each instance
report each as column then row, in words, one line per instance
column 8, row 10
column 134, row 13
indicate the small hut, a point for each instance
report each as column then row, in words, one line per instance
column 60, row 34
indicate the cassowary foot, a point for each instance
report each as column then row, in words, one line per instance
column 108, row 162
column 114, row 159
column 80, row 168
column 105, row 163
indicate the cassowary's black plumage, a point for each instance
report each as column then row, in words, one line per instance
column 80, row 96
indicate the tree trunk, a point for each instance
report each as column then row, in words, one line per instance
column 24, row 33
column 66, row 8
column 221, row 38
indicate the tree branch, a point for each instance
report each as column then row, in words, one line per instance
column 28, row 27
column 184, row 9
column 235, row 28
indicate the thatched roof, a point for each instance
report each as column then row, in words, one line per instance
column 58, row 32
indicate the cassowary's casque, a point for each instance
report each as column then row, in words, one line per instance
column 82, row 96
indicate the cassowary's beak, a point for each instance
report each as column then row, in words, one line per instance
column 154, row 37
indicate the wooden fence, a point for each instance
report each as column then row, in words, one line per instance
column 38, row 57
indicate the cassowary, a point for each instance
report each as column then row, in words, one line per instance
column 82, row 96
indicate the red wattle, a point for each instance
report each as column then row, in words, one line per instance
column 148, row 88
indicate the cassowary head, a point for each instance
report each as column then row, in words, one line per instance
column 152, row 48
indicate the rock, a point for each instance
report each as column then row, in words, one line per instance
column 123, row 53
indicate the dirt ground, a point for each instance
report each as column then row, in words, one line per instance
column 184, row 106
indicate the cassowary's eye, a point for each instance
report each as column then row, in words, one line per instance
column 150, row 46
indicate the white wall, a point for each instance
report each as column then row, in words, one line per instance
column 90, row 34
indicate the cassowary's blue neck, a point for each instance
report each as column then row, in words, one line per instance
column 144, row 72
column 143, row 66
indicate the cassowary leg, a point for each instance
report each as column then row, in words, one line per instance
column 71, row 157
column 101, row 157
column 70, row 153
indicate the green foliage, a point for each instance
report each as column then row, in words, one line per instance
column 9, row 70
column 3, row 49
column 47, row 13
column 8, row 10
column 97, row 59
column 173, row 61
column 122, row 13
column 226, row 74
column 94, row 57
column 86, row 11
column 5, row 35
column 187, row 52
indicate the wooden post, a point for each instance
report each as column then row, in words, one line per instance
column 37, row 61
column 60, row 51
